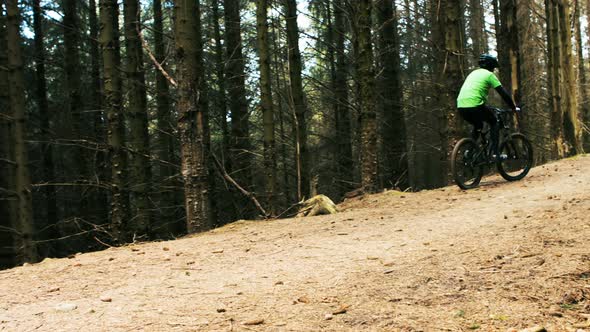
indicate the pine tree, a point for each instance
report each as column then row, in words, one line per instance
column 24, row 226
column 165, row 128
column 341, row 103
column 100, row 204
column 44, row 117
column 8, row 207
column 140, row 173
column 266, row 103
column 75, row 102
column 192, row 121
column 241, row 164
column 297, row 99
column 393, row 126
column 366, row 78
column 449, row 74
column 111, row 62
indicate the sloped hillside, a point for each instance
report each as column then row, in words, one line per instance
column 504, row 256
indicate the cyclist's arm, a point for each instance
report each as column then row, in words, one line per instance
column 506, row 96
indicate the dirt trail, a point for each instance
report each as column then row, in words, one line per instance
column 504, row 256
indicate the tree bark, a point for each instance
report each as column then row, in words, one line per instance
column 497, row 23
column 8, row 206
column 553, row 70
column 140, row 174
column 564, row 103
column 26, row 248
column 393, row 126
column 366, row 78
column 297, row 99
column 584, row 103
column 50, row 223
column 221, row 76
column 509, row 44
column 449, row 76
column 266, row 103
column 571, row 126
column 100, row 209
column 165, row 128
column 192, row 122
column 241, row 160
column 586, row 115
column 111, row 60
column 341, row 103
column 73, row 78
column 477, row 28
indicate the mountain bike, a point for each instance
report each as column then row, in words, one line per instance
column 471, row 155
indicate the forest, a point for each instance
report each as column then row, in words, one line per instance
column 129, row 121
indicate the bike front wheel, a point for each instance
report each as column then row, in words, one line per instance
column 467, row 170
column 519, row 161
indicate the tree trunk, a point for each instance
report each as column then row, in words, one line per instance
column 100, row 209
column 266, row 103
column 280, row 57
column 393, row 126
column 192, row 122
column 586, row 115
column 449, row 76
column 75, row 104
column 26, row 248
column 585, row 107
column 509, row 44
column 565, row 129
column 553, row 72
column 8, row 206
column 366, row 80
column 497, row 23
column 341, row 103
column 140, row 174
column 571, row 126
column 111, row 60
column 240, row 134
column 221, row 76
column 297, row 99
column 165, row 128
column 477, row 29
column 50, row 223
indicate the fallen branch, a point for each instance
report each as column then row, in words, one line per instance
column 288, row 209
column 246, row 193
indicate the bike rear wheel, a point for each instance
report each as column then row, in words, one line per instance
column 520, row 157
column 467, row 170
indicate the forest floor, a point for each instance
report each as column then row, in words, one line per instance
column 505, row 257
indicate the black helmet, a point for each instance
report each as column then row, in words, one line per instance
column 488, row 61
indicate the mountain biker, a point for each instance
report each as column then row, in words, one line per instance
column 472, row 98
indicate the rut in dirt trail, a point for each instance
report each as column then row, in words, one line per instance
column 504, row 255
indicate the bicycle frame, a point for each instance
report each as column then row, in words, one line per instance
column 506, row 124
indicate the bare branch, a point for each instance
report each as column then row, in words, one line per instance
column 242, row 190
column 156, row 63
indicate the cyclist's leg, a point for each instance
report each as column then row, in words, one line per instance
column 473, row 116
column 489, row 116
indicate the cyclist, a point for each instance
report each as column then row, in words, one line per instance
column 472, row 98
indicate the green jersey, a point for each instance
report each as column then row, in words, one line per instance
column 474, row 91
